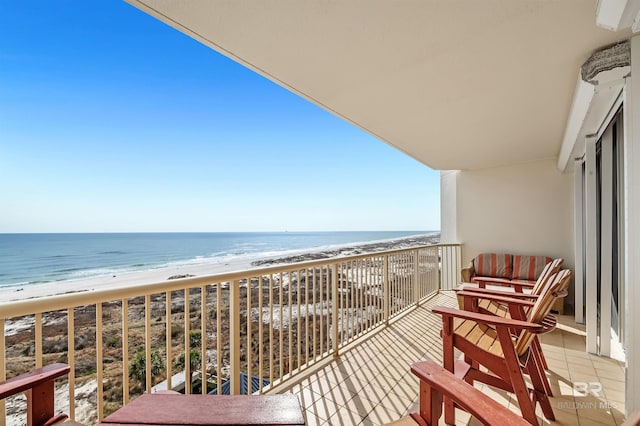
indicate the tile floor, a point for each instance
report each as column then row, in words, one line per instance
column 371, row 384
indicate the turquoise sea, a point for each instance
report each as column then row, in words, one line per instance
column 39, row 258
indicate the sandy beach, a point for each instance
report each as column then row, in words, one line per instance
column 129, row 279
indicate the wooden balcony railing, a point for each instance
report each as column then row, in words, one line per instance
column 205, row 334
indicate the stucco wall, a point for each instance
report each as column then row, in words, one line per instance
column 522, row 209
column 448, row 227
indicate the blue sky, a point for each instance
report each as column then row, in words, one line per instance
column 111, row 121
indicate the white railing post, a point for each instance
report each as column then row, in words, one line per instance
column 387, row 289
column 167, row 337
column 147, row 342
column 458, row 264
column 3, row 373
column 125, row 352
column 203, row 339
column 334, row 313
column 234, row 331
column 38, row 339
column 443, row 270
column 416, row 276
column 99, row 362
column 71, row 361
column 187, row 341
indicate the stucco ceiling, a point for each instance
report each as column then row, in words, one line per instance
column 457, row 84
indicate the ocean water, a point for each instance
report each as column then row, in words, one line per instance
column 40, row 258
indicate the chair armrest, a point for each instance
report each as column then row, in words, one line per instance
column 32, row 379
column 496, row 292
column 487, row 319
column 497, row 298
column 472, row 400
column 518, row 286
column 38, row 387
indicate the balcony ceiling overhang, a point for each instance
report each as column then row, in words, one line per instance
column 460, row 84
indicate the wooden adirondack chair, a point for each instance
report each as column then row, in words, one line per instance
column 487, row 301
column 503, row 347
column 436, row 382
column 38, row 387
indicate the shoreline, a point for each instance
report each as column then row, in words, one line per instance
column 134, row 278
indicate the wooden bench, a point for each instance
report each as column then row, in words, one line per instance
column 436, row 383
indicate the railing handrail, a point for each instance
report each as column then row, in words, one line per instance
column 87, row 297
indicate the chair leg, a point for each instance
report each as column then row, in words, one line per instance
column 538, row 379
column 537, row 347
column 449, row 365
column 40, row 400
column 539, row 358
column 515, row 376
column 430, row 403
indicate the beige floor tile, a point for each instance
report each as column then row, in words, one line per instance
column 616, row 375
column 362, row 406
column 564, row 417
column 558, row 374
column 312, row 420
column 596, row 414
column 618, row 417
column 561, row 388
column 579, row 361
column 606, row 363
column 347, row 367
column 582, row 373
column 589, row 422
column 557, row 364
column 321, row 386
column 306, row 396
column 322, row 408
column 373, row 393
column 617, row 396
column 578, row 357
column 611, row 384
column 381, row 415
column 398, row 369
column 362, row 385
column 340, row 395
column 345, row 416
column 409, row 386
column 336, row 377
column 558, row 367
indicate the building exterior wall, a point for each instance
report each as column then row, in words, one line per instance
column 521, row 209
column 448, row 229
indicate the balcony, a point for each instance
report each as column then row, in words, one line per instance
column 340, row 333
column 371, row 384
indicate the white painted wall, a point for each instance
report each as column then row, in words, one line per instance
column 520, row 209
column 632, row 219
column 448, row 229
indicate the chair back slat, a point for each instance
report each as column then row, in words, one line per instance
column 554, row 288
column 550, row 269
